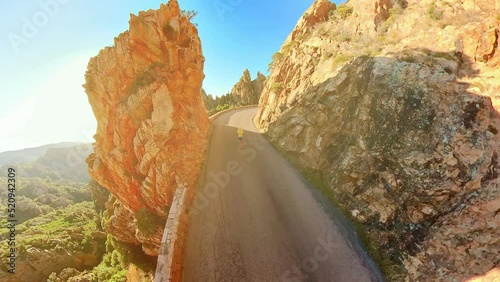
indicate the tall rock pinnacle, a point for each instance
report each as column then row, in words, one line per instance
column 151, row 120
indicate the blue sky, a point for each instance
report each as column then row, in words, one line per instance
column 45, row 46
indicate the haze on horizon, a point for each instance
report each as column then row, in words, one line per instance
column 47, row 44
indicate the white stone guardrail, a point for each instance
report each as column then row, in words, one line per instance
column 169, row 265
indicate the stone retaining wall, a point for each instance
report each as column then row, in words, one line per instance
column 216, row 115
column 169, row 266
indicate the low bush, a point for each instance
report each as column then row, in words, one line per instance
column 276, row 59
column 148, row 222
column 341, row 58
column 344, row 10
column 277, row 86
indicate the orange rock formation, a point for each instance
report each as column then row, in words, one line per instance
column 151, row 120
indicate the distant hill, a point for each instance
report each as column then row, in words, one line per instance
column 58, row 226
column 30, row 154
column 58, row 161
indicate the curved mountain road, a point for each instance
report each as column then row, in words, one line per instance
column 256, row 219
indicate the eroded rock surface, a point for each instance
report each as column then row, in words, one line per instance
column 395, row 105
column 151, row 121
column 247, row 91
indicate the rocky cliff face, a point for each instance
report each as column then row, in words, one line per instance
column 247, row 91
column 258, row 84
column 151, row 121
column 394, row 104
column 208, row 99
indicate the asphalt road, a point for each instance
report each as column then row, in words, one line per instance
column 256, row 219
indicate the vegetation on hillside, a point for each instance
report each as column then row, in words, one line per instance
column 218, row 104
column 148, row 222
column 276, row 59
column 121, row 262
column 56, row 164
column 344, row 10
column 76, row 231
column 40, row 232
column 154, row 71
column 37, row 196
column 72, row 231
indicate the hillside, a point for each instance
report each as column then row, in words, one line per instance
column 63, row 238
column 55, row 163
column 393, row 105
column 37, row 196
column 29, row 154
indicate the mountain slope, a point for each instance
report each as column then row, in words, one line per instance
column 247, row 91
column 392, row 104
column 57, row 163
column 30, row 154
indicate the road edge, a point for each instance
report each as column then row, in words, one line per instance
column 170, row 262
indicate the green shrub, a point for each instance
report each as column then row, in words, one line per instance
column 222, row 107
column 120, row 276
column 86, row 245
column 286, row 49
column 141, row 80
column 344, row 11
column 116, row 259
column 52, row 277
column 341, row 58
column 50, row 231
column 277, row 86
column 277, row 58
column 148, row 222
column 111, row 268
column 145, row 78
column 104, row 272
